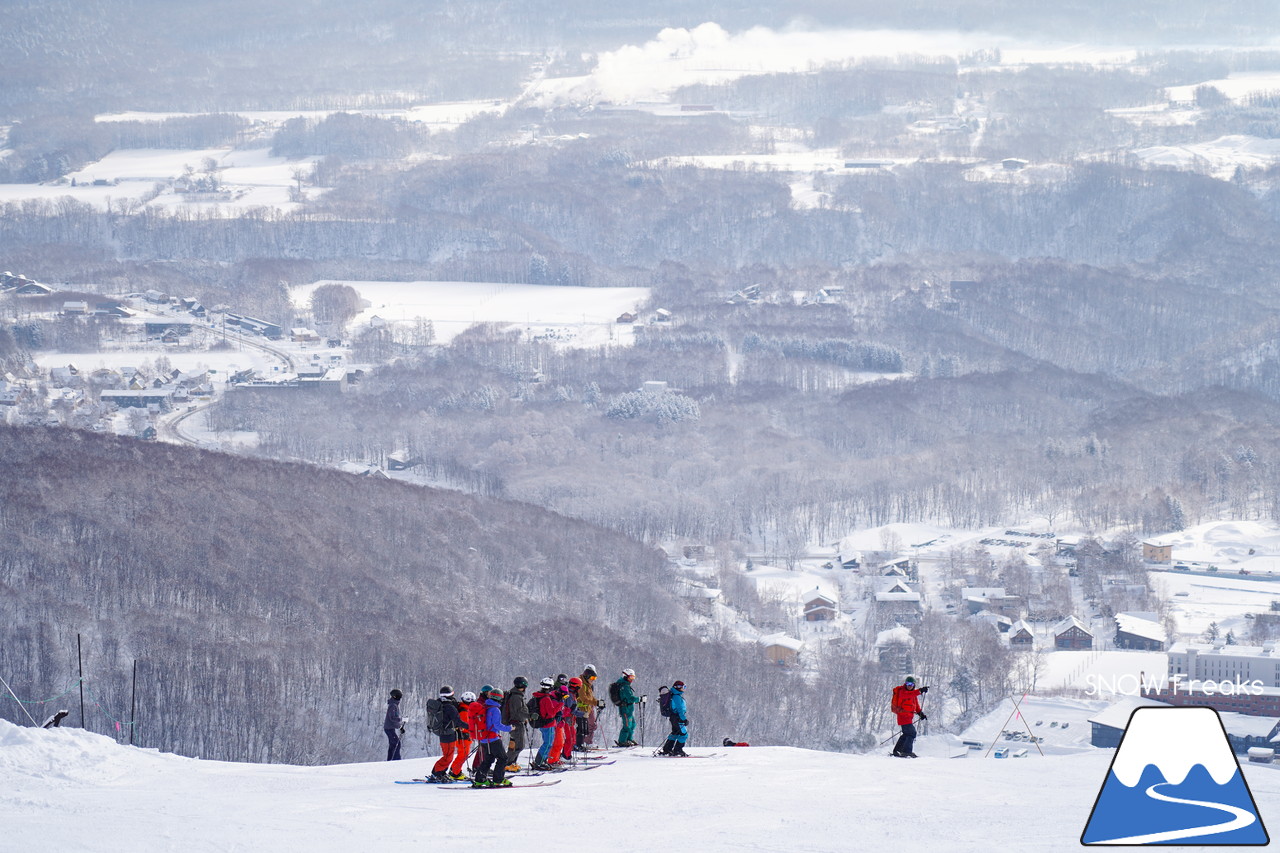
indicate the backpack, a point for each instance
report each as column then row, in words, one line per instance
column 615, row 693
column 895, row 704
column 435, row 717
column 664, row 704
column 535, row 718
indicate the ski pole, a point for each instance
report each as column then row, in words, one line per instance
column 644, row 707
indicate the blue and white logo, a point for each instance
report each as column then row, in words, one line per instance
column 1175, row 780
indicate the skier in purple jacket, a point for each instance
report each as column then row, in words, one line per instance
column 493, row 754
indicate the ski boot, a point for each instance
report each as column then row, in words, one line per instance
column 514, row 768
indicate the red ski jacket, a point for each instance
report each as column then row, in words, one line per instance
column 906, row 704
column 472, row 714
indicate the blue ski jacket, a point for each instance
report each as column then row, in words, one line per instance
column 679, row 710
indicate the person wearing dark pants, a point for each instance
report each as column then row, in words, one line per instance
column 393, row 725
column 515, row 713
column 492, row 766
column 906, row 704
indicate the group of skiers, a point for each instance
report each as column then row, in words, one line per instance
column 564, row 711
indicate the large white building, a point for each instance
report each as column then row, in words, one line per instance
column 1222, row 662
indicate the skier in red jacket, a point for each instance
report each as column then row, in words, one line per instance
column 906, row 704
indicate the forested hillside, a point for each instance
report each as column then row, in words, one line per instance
column 271, row 606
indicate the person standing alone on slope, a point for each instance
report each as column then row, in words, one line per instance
column 906, row 704
column 393, row 725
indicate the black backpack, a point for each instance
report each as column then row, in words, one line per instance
column 664, row 703
column 615, row 693
column 536, row 720
column 435, row 717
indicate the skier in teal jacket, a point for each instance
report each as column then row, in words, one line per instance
column 627, row 701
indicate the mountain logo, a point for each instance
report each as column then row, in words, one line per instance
column 1175, row 780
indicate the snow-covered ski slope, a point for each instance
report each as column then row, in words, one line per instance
column 68, row 789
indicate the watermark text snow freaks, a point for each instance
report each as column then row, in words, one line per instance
column 1135, row 685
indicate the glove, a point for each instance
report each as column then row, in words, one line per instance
column 923, row 715
column 684, row 722
column 402, row 730
column 924, row 689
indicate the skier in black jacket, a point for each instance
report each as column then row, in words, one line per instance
column 515, row 713
column 393, row 725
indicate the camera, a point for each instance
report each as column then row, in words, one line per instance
column 600, row 703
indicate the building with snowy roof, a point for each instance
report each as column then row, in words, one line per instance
column 1108, row 726
column 818, row 606
column 897, row 608
column 781, row 649
column 1245, row 731
column 1220, row 660
column 1140, row 631
column 894, row 649
column 1021, row 636
column 1071, row 635
column 999, row 622
column 1156, row 551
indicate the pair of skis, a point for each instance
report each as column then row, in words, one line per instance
column 462, row 785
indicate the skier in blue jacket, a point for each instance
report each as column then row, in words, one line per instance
column 679, row 723
column 492, row 752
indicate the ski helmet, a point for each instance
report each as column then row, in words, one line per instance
column 494, row 693
column 911, row 679
column 548, row 683
column 446, row 692
column 468, row 696
column 484, row 691
column 679, row 685
column 562, row 679
column 520, row 682
column 575, row 682
column 629, row 673
column 396, row 694
column 589, row 669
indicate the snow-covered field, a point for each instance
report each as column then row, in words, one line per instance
column 1218, row 157
column 1237, row 86
column 67, row 789
column 1095, row 672
column 251, row 178
column 576, row 316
